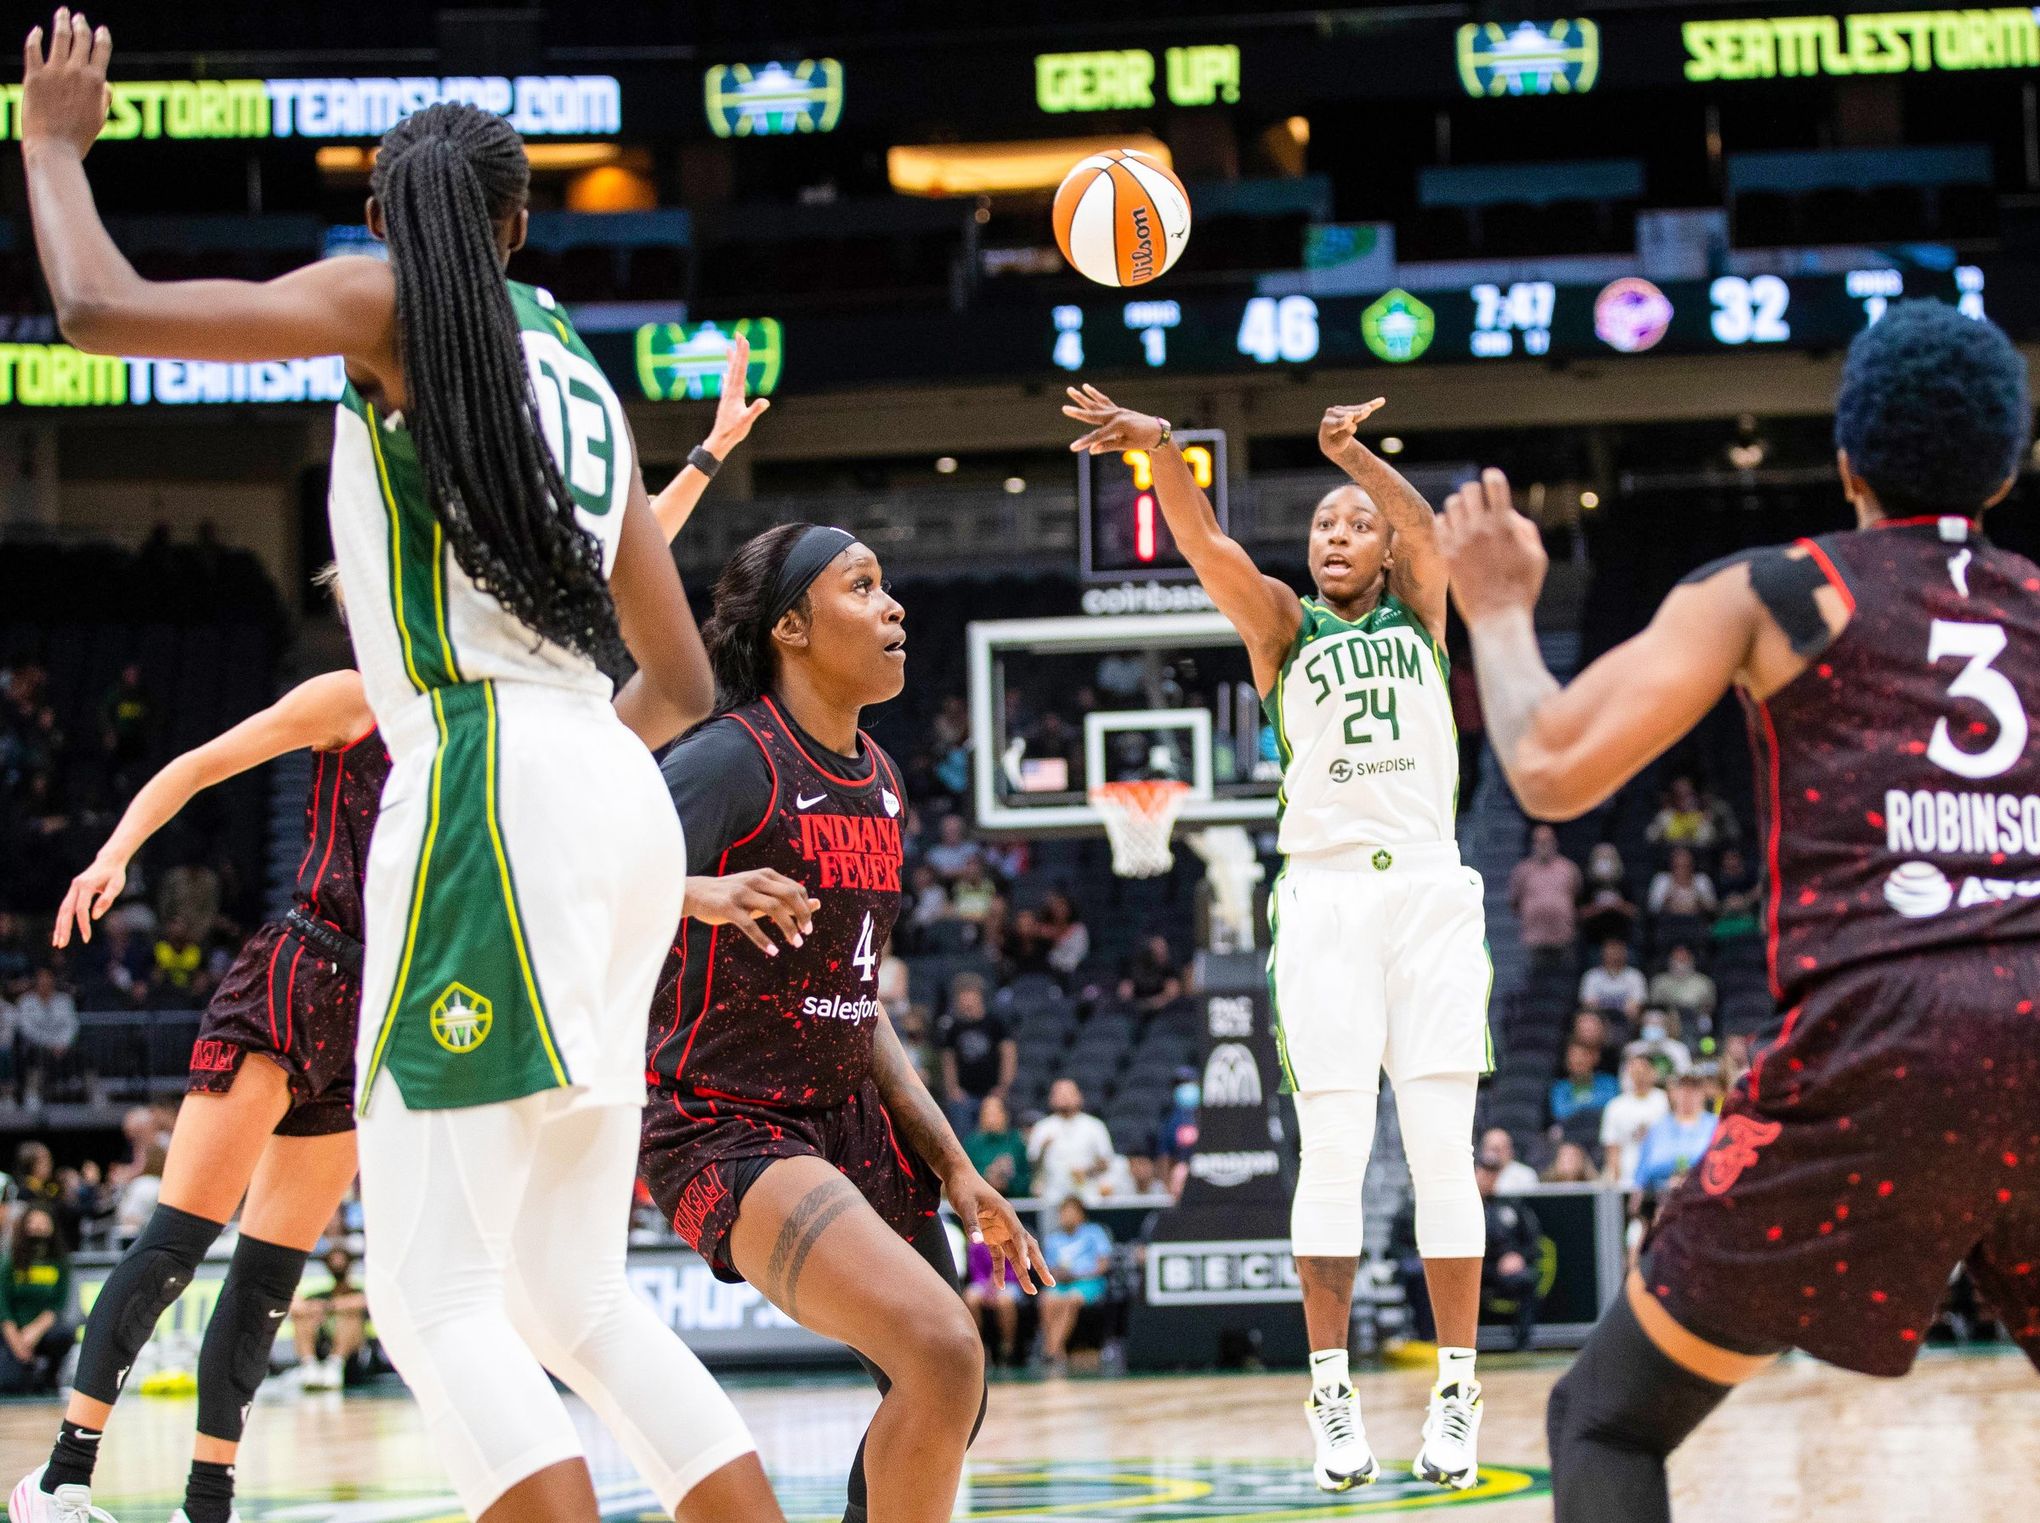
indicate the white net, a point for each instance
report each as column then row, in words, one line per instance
column 1139, row 816
column 1231, row 870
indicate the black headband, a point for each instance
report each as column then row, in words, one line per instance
column 808, row 558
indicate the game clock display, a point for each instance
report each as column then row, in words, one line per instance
column 1121, row 532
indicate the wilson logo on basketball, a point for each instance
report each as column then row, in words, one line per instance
column 1736, row 1142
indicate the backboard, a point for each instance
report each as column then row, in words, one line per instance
column 1060, row 705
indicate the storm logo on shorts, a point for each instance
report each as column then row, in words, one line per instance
column 1736, row 1142
column 461, row 1019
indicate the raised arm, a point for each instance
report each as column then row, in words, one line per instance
column 985, row 1214
column 324, row 713
column 1265, row 610
column 336, row 306
column 1417, row 573
column 673, row 688
column 733, row 419
column 1566, row 749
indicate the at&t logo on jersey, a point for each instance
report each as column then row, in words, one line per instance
column 853, row 850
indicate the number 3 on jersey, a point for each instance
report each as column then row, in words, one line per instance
column 864, row 959
column 1983, row 684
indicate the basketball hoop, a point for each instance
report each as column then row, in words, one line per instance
column 1139, row 814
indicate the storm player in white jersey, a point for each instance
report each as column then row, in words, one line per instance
column 1379, row 961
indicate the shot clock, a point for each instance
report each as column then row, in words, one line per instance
column 1120, row 529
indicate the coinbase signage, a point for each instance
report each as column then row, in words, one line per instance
column 537, row 105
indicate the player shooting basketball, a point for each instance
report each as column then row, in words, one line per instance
column 1886, row 1134
column 1379, row 960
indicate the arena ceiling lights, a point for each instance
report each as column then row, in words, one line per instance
column 991, row 169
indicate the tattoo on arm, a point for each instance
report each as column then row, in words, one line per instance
column 803, row 1227
column 1514, row 682
column 906, row 1098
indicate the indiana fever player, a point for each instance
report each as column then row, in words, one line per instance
column 270, row 1105
column 789, row 1139
column 1889, row 1131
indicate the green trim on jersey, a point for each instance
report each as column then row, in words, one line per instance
column 417, row 556
column 1487, row 1003
column 1289, row 1085
column 466, row 1023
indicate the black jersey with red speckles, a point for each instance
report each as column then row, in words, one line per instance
column 1897, row 780
column 340, row 812
column 793, row 1030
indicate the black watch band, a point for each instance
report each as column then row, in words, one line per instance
column 703, row 461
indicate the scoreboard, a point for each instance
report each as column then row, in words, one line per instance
column 1120, row 528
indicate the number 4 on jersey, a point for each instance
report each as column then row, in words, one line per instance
column 864, row 959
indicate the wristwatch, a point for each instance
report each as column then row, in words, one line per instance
column 704, row 462
column 1167, row 430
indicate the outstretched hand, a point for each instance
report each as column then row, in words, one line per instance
column 990, row 1219
column 734, row 415
column 1112, row 427
column 93, row 892
column 747, row 899
column 1496, row 555
column 1335, row 430
column 64, row 97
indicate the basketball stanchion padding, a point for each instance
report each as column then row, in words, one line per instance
column 1139, row 815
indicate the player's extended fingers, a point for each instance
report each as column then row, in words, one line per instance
column 1090, row 442
column 60, row 37
column 783, row 910
column 102, row 48
column 1038, row 1259
column 32, row 53
column 1497, row 492
column 60, row 934
column 1099, row 399
column 756, row 933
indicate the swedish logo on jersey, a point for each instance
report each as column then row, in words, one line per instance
column 774, row 99
column 1530, row 58
column 684, row 361
column 461, row 1019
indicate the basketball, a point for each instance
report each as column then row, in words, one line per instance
column 1122, row 217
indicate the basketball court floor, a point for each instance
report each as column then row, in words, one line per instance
column 1959, row 1442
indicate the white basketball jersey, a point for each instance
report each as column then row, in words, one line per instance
column 1363, row 718
column 418, row 622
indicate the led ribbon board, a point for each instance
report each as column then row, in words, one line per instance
column 56, row 375
column 537, row 105
column 1529, row 58
column 683, row 362
column 774, row 99
column 1892, row 42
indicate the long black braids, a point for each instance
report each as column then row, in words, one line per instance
column 738, row 633
column 445, row 178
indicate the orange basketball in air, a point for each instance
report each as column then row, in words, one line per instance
column 1122, row 217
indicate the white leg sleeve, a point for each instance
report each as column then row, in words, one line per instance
column 571, row 1301
column 1336, row 1129
column 440, row 1192
column 1437, row 1130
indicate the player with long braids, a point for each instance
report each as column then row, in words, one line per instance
column 497, row 551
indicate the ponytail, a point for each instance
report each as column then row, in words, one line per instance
column 445, row 178
column 738, row 633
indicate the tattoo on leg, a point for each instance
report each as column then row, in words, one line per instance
column 804, row 1225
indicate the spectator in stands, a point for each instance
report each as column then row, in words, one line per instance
column 930, row 899
column 979, row 1054
column 16, row 961
column 1151, row 978
column 1686, row 819
column 46, row 1028
column 1735, row 1058
column 974, row 899
column 1571, row 1164
column 1607, row 912
column 1068, row 1147
column 1590, row 1029
column 1515, row 1246
column 997, row 1150
column 911, row 1027
column 1741, row 891
column 179, row 982
column 1628, row 1118
column 953, row 851
column 1079, row 1254
column 1544, row 891
column 1681, row 890
column 138, row 1197
column 119, row 964
column 1514, row 1175
column 988, row 1300
column 337, row 1313
column 1069, row 938
column 35, row 1183
column 124, row 715
column 189, row 895
column 1612, row 985
column 894, row 984
column 1584, row 1087
column 139, row 1127
column 1684, row 989
column 1675, row 1140
column 35, row 1304
column 1659, row 1043
column 1176, row 1137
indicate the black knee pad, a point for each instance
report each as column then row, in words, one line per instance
column 149, row 1277
column 261, row 1283
column 1614, row 1417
